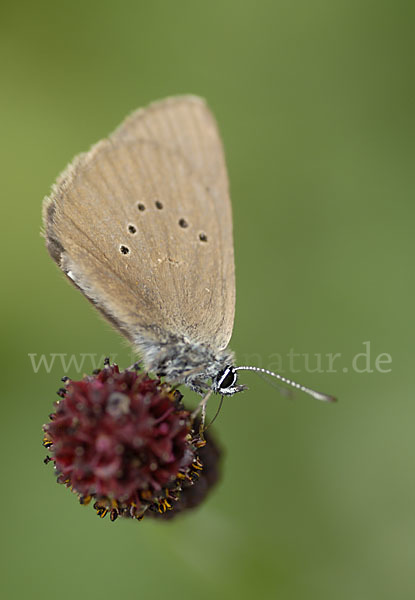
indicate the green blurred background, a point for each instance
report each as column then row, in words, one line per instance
column 315, row 102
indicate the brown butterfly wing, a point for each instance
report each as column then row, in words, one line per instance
column 142, row 225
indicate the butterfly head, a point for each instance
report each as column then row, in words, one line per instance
column 224, row 382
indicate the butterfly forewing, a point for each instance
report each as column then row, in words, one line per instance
column 142, row 225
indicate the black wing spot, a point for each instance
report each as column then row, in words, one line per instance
column 124, row 250
column 141, row 206
column 183, row 223
column 132, row 228
column 203, row 237
column 158, row 204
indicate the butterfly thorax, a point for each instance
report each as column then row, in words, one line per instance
column 183, row 361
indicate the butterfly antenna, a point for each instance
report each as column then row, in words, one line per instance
column 297, row 386
column 288, row 393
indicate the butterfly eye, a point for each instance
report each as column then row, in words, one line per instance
column 226, row 378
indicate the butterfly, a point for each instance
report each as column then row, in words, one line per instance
column 142, row 226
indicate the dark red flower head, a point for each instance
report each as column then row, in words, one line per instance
column 126, row 441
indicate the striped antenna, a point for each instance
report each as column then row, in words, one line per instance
column 297, row 386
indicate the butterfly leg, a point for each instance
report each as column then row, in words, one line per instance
column 201, row 409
